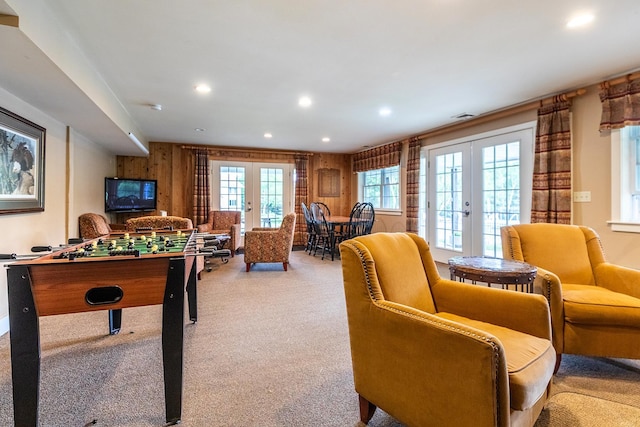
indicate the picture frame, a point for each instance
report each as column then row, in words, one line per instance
column 22, row 145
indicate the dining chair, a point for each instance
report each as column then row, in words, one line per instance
column 356, row 226
column 367, row 218
column 319, row 206
column 325, row 235
column 311, row 232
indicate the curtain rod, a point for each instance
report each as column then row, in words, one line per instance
column 563, row 96
column 618, row 80
column 244, row 150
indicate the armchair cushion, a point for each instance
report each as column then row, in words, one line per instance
column 599, row 306
column 530, row 360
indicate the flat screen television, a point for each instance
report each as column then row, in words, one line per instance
column 130, row 195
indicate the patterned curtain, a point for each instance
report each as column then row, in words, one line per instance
column 620, row 104
column 302, row 193
column 377, row 158
column 551, row 199
column 413, row 185
column 201, row 189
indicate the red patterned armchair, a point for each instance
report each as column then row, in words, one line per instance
column 93, row 225
column 156, row 222
column 270, row 244
column 224, row 222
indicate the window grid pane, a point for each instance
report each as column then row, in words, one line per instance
column 232, row 190
column 449, row 201
column 381, row 187
column 500, row 193
column 271, row 196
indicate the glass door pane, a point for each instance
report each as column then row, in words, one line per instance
column 503, row 180
column 262, row 192
column 449, row 201
column 232, row 189
column 475, row 187
column 272, row 184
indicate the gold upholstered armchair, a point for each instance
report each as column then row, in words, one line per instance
column 434, row 352
column 157, row 222
column 595, row 305
column 92, row 225
column 224, row 222
column 270, row 244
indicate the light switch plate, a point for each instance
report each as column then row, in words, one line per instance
column 581, row 196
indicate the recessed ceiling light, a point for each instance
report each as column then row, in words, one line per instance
column 580, row 20
column 156, row 107
column 199, row 129
column 304, row 101
column 384, row 111
column 268, row 135
column 202, row 88
column 326, row 139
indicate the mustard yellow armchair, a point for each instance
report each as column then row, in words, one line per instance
column 434, row 352
column 263, row 244
column 595, row 305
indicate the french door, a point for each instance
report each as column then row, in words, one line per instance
column 262, row 192
column 475, row 187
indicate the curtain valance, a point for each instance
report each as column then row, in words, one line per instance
column 380, row 157
column 620, row 102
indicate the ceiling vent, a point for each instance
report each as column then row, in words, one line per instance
column 463, row 116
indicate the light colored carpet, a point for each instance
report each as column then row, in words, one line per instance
column 567, row 409
column 270, row 349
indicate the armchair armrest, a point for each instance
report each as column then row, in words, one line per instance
column 263, row 229
column 548, row 284
column 204, row 228
column 618, row 279
column 434, row 369
column 522, row 312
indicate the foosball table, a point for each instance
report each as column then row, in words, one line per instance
column 111, row 273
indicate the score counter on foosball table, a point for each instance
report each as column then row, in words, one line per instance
column 111, row 273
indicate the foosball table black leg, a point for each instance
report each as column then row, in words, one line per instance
column 192, row 295
column 172, row 340
column 25, row 347
column 115, row 321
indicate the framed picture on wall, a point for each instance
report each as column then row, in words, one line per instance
column 21, row 164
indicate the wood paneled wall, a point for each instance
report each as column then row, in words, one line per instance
column 342, row 204
column 173, row 165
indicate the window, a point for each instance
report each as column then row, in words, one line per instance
column 381, row 187
column 625, row 167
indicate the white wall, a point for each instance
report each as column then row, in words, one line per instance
column 89, row 164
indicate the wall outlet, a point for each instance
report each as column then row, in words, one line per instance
column 581, row 196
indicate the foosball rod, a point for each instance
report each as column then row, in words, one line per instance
column 34, row 249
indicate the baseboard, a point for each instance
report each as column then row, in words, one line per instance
column 4, row 325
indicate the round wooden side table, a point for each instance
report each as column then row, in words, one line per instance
column 493, row 271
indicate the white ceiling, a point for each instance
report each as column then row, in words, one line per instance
column 101, row 64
